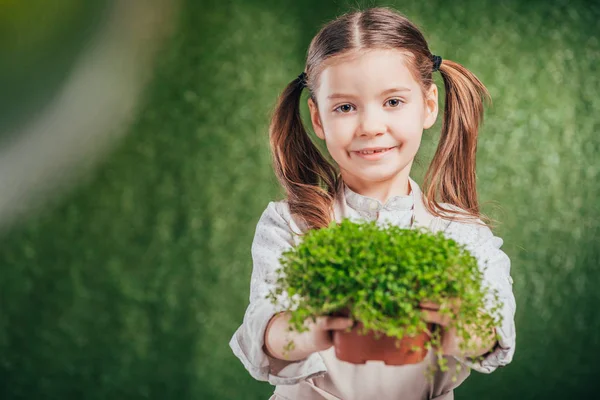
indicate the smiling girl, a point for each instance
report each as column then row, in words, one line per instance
column 369, row 75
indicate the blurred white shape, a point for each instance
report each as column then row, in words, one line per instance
column 93, row 109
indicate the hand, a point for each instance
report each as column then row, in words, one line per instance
column 450, row 342
column 318, row 337
column 431, row 314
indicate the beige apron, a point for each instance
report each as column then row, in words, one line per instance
column 373, row 381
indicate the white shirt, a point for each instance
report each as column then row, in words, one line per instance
column 321, row 375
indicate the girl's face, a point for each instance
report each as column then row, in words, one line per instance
column 371, row 101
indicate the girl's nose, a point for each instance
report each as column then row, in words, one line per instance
column 372, row 123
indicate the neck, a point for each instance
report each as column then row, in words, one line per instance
column 398, row 185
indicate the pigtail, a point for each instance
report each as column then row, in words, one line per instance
column 309, row 180
column 451, row 177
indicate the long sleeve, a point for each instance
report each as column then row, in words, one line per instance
column 495, row 265
column 272, row 237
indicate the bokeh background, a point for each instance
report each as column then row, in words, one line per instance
column 134, row 165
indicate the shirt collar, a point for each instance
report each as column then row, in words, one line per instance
column 366, row 203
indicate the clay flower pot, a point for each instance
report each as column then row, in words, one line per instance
column 355, row 348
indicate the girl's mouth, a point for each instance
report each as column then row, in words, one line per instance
column 373, row 155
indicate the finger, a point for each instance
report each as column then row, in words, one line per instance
column 453, row 303
column 336, row 323
column 430, row 305
column 435, row 317
column 449, row 341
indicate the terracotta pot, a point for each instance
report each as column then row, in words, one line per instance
column 355, row 348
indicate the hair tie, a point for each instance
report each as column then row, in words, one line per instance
column 302, row 80
column 437, row 61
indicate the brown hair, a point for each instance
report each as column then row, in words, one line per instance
column 312, row 183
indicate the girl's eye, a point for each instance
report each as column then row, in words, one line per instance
column 344, row 108
column 394, row 102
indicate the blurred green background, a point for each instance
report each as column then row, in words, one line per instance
column 133, row 283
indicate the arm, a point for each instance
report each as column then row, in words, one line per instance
column 495, row 265
column 272, row 237
column 318, row 337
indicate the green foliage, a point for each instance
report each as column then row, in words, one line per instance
column 381, row 274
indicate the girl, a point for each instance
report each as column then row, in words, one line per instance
column 369, row 76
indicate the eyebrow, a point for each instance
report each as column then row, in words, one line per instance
column 392, row 90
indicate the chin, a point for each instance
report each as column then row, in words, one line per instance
column 381, row 177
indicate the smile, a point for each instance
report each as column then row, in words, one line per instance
column 373, row 154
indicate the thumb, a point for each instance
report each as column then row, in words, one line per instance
column 335, row 323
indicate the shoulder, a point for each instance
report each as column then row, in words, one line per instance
column 464, row 229
column 277, row 213
column 277, row 220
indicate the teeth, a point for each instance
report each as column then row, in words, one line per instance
column 372, row 151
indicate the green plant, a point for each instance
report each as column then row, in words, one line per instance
column 381, row 274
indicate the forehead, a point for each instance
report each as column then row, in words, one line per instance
column 366, row 72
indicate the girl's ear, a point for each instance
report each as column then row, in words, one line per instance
column 316, row 119
column 431, row 106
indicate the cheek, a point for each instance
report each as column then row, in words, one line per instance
column 408, row 129
column 339, row 131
